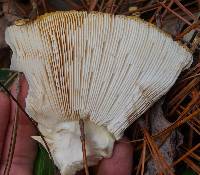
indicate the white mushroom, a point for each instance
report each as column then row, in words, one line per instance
column 105, row 69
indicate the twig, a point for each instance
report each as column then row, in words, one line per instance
column 169, row 129
column 192, row 154
column 176, row 14
column 187, row 30
column 140, row 162
column 190, row 77
column 162, row 165
column 82, row 137
column 186, row 154
column 165, row 11
column 177, row 123
column 184, row 91
column 195, row 98
column 192, row 126
column 192, row 165
column 156, row 12
column 182, row 7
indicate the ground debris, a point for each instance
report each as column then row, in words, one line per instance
column 169, row 146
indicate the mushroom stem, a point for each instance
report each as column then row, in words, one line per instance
column 82, row 138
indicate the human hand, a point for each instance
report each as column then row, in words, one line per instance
column 25, row 149
column 120, row 163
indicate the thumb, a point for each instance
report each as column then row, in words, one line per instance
column 26, row 147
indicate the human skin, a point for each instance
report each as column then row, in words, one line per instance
column 26, row 148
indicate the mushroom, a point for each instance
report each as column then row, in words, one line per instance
column 105, row 69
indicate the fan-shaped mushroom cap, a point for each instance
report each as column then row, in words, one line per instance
column 106, row 69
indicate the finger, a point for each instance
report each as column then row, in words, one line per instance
column 25, row 148
column 4, row 119
column 120, row 163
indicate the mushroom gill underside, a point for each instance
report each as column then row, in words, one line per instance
column 102, row 68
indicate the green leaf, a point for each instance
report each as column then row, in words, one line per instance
column 7, row 77
column 43, row 164
column 189, row 172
